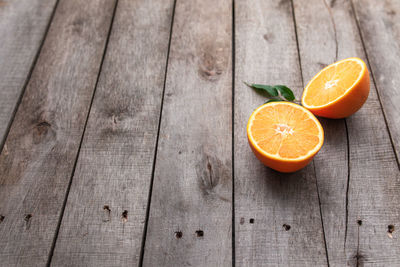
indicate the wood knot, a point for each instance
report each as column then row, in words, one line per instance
column 391, row 12
column 268, row 37
column 209, row 178
column 42, row 131
column 116, row 115
column 213, row 176
column 42, row 127
column 283, row 3
column 77, row 25
column 212, row 62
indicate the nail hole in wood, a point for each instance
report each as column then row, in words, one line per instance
column 125, row 216
column 199, row 233
column 2, row 218
column 286, row 227
column 251, row 220
column 390, row 228
column 359, row 222
column 178, row 234
column 27, row 217
column 107, row 210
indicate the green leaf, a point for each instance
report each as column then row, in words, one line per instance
column 285, row 92
column 273, row 100
column 266, row 89
column 270, row 89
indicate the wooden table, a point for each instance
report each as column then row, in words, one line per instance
column 123, row 142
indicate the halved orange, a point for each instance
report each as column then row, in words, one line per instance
column 284, row 136
column 338, row 90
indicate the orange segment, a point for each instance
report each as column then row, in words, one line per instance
column 338, row 90
column 284, row 136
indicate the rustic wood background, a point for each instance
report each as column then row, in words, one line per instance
column 123, row 142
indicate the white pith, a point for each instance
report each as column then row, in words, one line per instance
column 330, row 84
column 283, row 129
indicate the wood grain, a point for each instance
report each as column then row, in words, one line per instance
column 22, row 28
column 321, row 42
column 379, row 22
column 39, row 153
column 327, row 32
column 277, row 216
column 114, row 169
column 191, row 205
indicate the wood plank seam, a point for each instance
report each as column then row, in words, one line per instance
column 233, row 134
column 80, row 143
column 320, row 212
column 348, row 182
column 334, row 29
column 3, row 141
column 302, row 82
column 297, row 42
column 156, row 144
column 374, row 81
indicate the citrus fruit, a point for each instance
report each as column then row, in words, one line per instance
column 338, row 90
column 284, row 136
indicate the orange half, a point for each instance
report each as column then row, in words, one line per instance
column 338, row 90
column 284, row 136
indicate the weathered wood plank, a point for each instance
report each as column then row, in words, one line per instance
column 379, row 22
column 277, row 216
column 192, row 188
column 317, row 37
column 39, row 154
column 327, row 31
column 22, row 28
column 114, row 169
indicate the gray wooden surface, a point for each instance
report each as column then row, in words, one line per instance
column 370, row 152
column 20, row 45
column 123, row 141
column 39, row 153
column 275, row 201
column 192, row 187
column 113, row 172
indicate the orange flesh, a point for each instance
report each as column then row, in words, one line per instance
column 285, row 131
column 332, row 83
